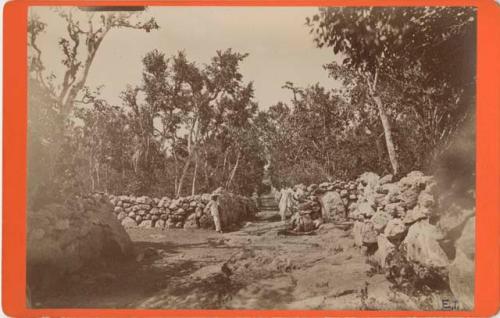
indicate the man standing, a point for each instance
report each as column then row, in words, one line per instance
column 214, row 211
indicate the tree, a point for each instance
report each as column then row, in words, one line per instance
column 79, row 47
column 380, row 44
column 185, row 114
column 56, row 98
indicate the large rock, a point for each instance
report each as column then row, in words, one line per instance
column 380, row 220
column 462, row 269
column 416, row 214
column 411, row 185
column 64, row 238
column 422, row 245
column 332, row 205
column 206, row 222
column 357, row 232
column 395, row 230
column 369, row 179
column 369, row 233
column 160, row 224
column 386, row 179
column 129, row 222
column 121, row 216
column 365, row 209
column 467, row 241
column 395, row 209
column 146, row 224
column 191, row 222
column 385, row 247
column 454, row 217
column 461, row 275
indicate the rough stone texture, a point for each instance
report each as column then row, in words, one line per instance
column 369, row 179
column 385, row 247
column 332, row 205
column 422, row 245
column 462, row 270
column 146, row 224
column 395, row 229
column 366, row 209
column 160, row 224
column 415, row 214
column 64, row 238
column 206, row 222
column 129, row 222
column 461, row 276
column 191, row 222
column 454, row 217
column 467, row 242
column 369, row 234
column 145, row 212
column 357, row 232
column 380, row 220
column 404, row 213
column 386, row 179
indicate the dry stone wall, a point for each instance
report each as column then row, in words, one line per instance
column 328, row 201
column 410, row 230
column 184, row 212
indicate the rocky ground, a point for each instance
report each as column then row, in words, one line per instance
column 255, row 267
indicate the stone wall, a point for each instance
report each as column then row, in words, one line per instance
column 329, row 201
column 166, row 213
column 414, row 233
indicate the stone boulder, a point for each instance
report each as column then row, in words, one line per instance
column 64, row 238
column 395, row 230
column 422, row 245
column 332, row 205
column 386, row 179
column 129, row 222
column 206, row 222
column 146, row 224
column 357, row 232
column 160, row 224
column 191, row 222
column 416, row 214
column 365, row 209
column 369, row 233
column 411, row 185
column 121, row 216
column 385, row 247
column 462, row 269
column 454, row 217
column 369, row 179
column 380, row 220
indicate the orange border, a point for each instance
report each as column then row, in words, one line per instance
column 14, row 182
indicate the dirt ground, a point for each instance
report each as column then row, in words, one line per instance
column 254, row 267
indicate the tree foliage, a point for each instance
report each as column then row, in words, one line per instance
column 408, row 86
column 416, row 66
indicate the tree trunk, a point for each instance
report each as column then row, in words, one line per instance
column 176, row 172
column 193, row 187
column 380, row 151
column 183, row 176
column 388, row 134
column 230, row 180
column 205, row 170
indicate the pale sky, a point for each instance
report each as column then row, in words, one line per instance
column 279, row 45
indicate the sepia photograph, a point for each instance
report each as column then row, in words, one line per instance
column 251, row 158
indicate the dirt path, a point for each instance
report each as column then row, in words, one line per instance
column 251, row 268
